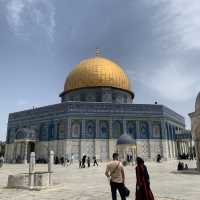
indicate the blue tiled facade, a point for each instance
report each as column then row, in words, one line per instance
column 65, row 121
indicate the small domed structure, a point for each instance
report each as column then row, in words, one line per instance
column 125, row 139
column 126, row 147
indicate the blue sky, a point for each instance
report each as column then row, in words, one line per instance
column 156, row 42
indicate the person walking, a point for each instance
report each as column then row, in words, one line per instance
column 83, row 161
column 115, row 172
column 95, row 161
column 88, row 161
column 72, row 159
column 143, row 191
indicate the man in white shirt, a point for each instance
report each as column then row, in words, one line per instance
column 115, row 171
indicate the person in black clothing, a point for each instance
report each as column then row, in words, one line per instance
column 158, row 158
column 88, row 161
column 95, row 161
column 83, row 161
column 180, row 166
column 143, row 190
column 56, row 160
column 62, row 161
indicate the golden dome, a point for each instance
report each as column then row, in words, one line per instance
column 95, row 72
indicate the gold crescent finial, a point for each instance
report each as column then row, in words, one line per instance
column 98, row 52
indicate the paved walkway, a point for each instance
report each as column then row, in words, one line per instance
column 73, row 183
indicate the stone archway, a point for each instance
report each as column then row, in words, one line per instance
column 30, row 148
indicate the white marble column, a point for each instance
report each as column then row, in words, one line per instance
column 182, row 147
column 50, row 166
column 31, row 169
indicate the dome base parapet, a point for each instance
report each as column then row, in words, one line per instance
column 98, row 94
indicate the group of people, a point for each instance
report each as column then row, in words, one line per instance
column 82, row 162
column 116, row 176
column 182, row 166
column 184, row 156
column 65, row 161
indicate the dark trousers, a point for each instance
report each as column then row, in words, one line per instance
column 95, row 163
column 117, row 186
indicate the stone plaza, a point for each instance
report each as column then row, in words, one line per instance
column 72, row 183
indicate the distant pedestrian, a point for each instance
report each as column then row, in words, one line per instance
column 158, row 159
column 66, row 160
column 88, row 161
column 72, row 159
column 56, row 160
column 62, row 161
column 83, row 161
column 186, row 167
column 180, row 166
column 143, row 191
column 95, row 161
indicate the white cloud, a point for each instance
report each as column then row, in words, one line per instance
column 172, row 82
column 177, row 23
column 28, row 17
column 15, row 8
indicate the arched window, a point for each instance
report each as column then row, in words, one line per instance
column 104, row 129
column 60, row 130
column 144, row 129
column 51, row 131
column 90, row 129
column 117, row 129
column 156, row 130
column 43, row 132
column 75, row 129
column 131, row 128
column 8, row 138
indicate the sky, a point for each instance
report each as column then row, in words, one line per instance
column 156, row 42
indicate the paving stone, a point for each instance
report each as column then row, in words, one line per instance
column 72, row 183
